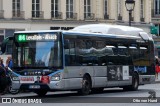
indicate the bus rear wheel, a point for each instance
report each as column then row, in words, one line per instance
column 86, row 86
column 41, row 92
column 135, row 83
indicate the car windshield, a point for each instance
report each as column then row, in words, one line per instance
column 38, row 54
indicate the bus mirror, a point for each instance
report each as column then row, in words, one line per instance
column 4, row 44
column 144, row 35
column 66, row 44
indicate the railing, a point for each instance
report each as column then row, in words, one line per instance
column 18, row 14
column 89, row 16
column 37, row 14
column 155, row 13
column 106, row 16
column 56, row 15
column 71, row 15
column 1, row 13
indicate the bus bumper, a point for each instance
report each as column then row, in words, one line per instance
column 53, row 85
column 146, row 79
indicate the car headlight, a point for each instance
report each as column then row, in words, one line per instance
column 55, row 77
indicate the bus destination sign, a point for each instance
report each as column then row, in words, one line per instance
column 36, row 37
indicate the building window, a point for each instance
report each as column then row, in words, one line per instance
column 1, row 9
column 142, row 11
column 157, row 7
column 119, row 4
column 36, row 8
column 1, row 5
column 119, row 9
column 16, row 8
column 106, row 16
column 69, row 8
column 1, row 35
column 55, row 8
column 87, row 8
column 1, row 38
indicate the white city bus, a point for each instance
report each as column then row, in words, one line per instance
column 87, row 58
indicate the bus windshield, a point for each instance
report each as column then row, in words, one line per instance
column 44, row 53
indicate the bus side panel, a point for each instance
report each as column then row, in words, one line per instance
column 73, row 75
column 100, row 76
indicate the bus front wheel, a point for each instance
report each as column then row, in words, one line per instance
column 86, row 86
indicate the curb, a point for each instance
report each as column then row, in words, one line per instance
column 157, row 81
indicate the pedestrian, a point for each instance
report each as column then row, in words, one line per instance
column 9, row 62
column 157, row 68
column 1, row 62
column 3, row 78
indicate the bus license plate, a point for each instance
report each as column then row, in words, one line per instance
column 34, row 86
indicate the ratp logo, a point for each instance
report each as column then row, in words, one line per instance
column 6, row 100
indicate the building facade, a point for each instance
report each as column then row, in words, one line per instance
column 65, row 14
column 156, row 14
column 156, row 21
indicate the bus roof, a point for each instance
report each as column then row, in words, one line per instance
column 100, row 35
column 108, row 29
column 113, row 29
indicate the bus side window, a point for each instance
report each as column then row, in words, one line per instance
column 129, row 60
column 134, row 54
column 66, row 44
column 78, row 52
column 122, row 50
column 70, row 54
column 111, row 60
column 99, row 53
column 85, row 52
column 73, row 53
column 144, row 55
column 66, row 52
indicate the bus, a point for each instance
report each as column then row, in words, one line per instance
column 86, row 59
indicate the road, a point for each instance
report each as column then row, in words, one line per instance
column 111, row 96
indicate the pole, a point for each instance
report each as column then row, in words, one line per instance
column 130, row 14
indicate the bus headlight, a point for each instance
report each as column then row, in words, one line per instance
column 14, row 77
column 55, row 77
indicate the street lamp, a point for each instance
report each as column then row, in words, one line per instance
column 130, row 7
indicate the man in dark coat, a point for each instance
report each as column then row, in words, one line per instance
column 3, row 80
